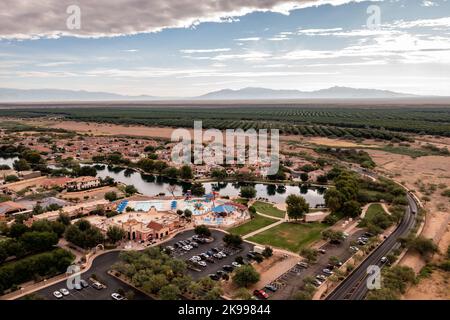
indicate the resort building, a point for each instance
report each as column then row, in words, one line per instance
column 83, row 183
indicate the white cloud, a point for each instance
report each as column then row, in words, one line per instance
column 205, row 50
column 248, row 39
column 23, row 19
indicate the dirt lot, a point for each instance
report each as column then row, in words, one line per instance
column 93, row 194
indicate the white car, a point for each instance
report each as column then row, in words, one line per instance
column 201, row 263
column 235, row 264
column 222, row 254
column 117, row 296
column 196, row 258
column 186, row 248
column 57, row 294
column 384, row 260
column 64, row 291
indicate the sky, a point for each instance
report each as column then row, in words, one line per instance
column 184, row 48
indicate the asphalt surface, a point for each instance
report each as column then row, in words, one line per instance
column 103, row 263
column 217, row 243
column 354, row 287
column 99, row 267
column 292, row 280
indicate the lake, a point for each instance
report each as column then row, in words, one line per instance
column 152, row 185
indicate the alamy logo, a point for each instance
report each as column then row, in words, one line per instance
column 74, row 278
column 373, row 281
column 73, row 21
column 250, row 147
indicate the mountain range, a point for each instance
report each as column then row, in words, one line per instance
column 250, row 93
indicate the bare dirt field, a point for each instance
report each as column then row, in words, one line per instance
column 422, row 175
column 106, row 129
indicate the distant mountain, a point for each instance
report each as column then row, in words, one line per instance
column 330, row 93
column 56, row 95
column 39, row 95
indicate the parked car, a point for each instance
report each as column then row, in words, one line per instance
column 64, row 291
column 84, row 283
column 271, row 288
column 201, row 263
column 227, row 268
column 303, row 264
column 322, row 251
column 384, row 260
column 117, row 296
column 223, row 254
column 215, row 250
column 317, row 283
column 327, row 272
column 77, row 286
column 250, row 255
column 210, row 260
column 261, row 294
column 321, row 277
column 57, row 294
column 235, row 264
column 97, row 285
column 218, row 256
column 214, row 277
column 194, row 244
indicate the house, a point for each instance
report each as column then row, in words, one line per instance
column 83, row 183
column 10, row 207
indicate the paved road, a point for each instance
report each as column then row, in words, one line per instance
column 354, row 287
column 293, row 281
column 100, row 266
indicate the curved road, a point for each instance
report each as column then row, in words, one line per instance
column 354, row 287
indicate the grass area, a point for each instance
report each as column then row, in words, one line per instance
column 373, row 210
column 241, row 201
column 290, row 236
column 269, row 209
column 256, row 223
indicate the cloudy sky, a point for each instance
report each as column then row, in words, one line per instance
column 190, row 47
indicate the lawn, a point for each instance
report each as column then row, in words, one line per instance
column 269, row 209
column 290, row 236
column 373, row 210
column 256, row 223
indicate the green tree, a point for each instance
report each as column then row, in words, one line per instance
column 296, row 206
column 130, row 190
column 186, row 172
column 21, row 165
column 232, row 240
column 111, row 196
column 245, row 275
column 115, row 234
column 202, row 230
column 169, row 292
column 304, row 176
column 309, row 254
column 197, row 189
column 248, row 192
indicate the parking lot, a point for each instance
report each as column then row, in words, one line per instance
column 100, row 266
column 290, row 282
column 214, row 264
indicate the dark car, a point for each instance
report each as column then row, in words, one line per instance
column 227, row 268
column 214, row 277
column 250, row 255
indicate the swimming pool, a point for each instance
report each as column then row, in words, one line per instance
column 147, row 205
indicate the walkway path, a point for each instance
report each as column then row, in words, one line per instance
column 251, row 234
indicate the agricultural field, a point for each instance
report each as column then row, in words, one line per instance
column 356, row 123
column 290, row 236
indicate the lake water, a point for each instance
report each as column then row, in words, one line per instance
column 8, row 161
column 152, row 185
